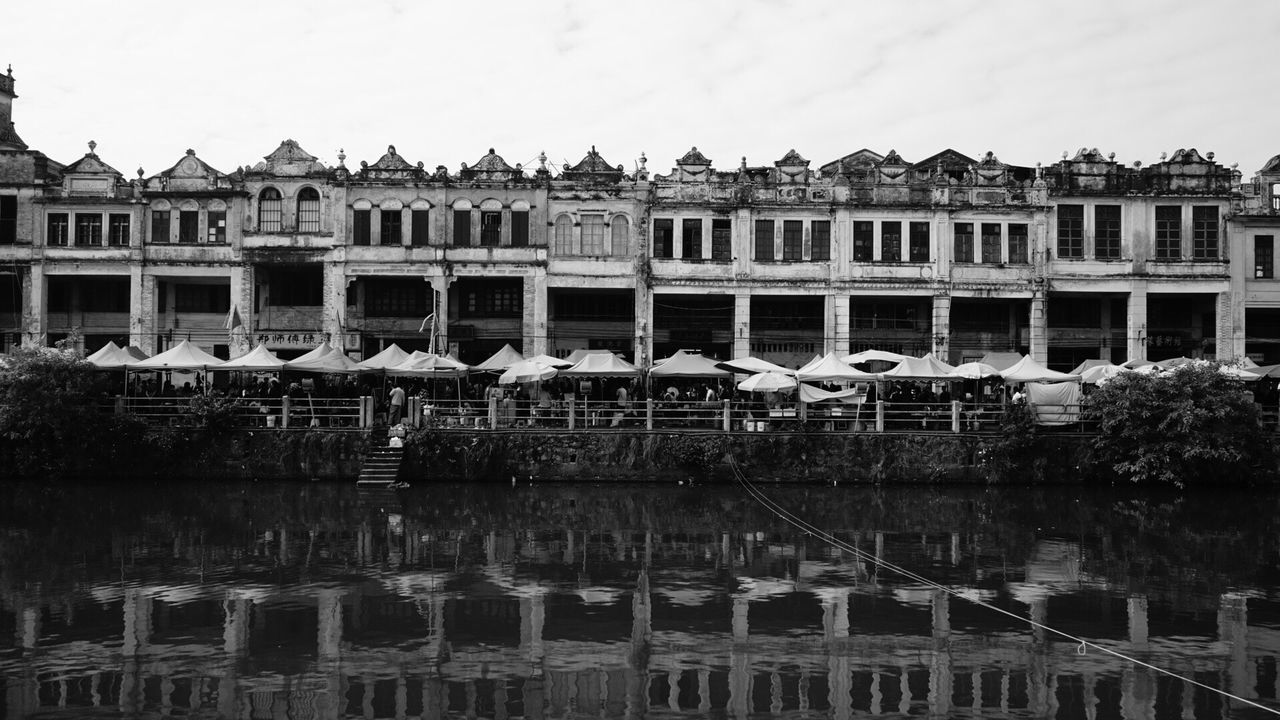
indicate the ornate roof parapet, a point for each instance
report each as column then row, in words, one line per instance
column 491, row 168
column 390, row 168
column 189, row 174
column 91, row 177
column 290, row 160
column 1188, row 172
column 856, row 167
column 592, row 170
column 893, row 170
column 791, row 169
column 1089, row 171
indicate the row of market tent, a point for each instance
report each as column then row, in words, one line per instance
column 764, row 376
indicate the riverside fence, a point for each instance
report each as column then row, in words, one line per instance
column 363, row 413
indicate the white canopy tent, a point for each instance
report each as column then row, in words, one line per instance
column 526, row 371
column 1028, row 370
column 499, row 361
column 925, row 368
column 183, row 356
column 830, row 368
column 390, row 356
column 259, row 359
column 752, row 365
column 768, row 382
column 870, row 355
column 683, row 364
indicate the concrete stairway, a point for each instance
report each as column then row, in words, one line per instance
column 381, row 467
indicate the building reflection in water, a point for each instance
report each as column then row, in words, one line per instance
column 350, row 606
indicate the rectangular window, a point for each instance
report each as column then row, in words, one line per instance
column 217, row 233
column 691, row 239
column 462, row 228
column 419, row 229
column 290, row 287
column 89, row 229
column 963, row 242
column 188, row 226
column 1264, row 265
column 1168, row 232
column 491, row 228
column 361, row 227
column 1018, row 244
column 792, row 240
column 863, row 237
column 159, row 226
column 396, row 298
column 493, row 300
column 201, row 298
column 664, row 238
column 118, row 230
column 992, row 244
column 519, row 228
column 392, row 228
column 820, row 230
column 308, row 214
column 57, row 229
column 1070, row 231
column 1106, row 232
column 592, row 234
column 919, row 242
column 270, row 212
column 8, row 219
column 1204, row 232
column 721, row 239
column 764, row 240
column 891, row 241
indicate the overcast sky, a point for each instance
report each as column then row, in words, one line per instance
column 444, row 82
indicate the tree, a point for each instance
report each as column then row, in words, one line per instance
column 1192, row 423
column 51, row 417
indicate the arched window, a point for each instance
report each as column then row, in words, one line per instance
column 308, row 210
column 269, row 210
column 1275, row 196
column 564, row 235
column 620, row 233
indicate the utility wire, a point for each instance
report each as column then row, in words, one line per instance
column 830, row 539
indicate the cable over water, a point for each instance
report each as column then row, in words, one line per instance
column 1082, row 644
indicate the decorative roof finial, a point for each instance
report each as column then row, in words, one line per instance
column 542, row 160
column 140, row 173
column 92, row 146
column 10, row 69
column 1163, row 156
column 342, row 157
column 190, row 151
column 391, row 149
column 1209, row 155
column 643, row 160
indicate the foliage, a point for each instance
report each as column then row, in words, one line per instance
column 214, row 411
column 1194, row 422
column 51, row 415
column 1015, row 455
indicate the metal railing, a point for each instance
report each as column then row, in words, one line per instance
column 577, row 414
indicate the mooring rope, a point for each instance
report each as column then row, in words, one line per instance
column 832, row 540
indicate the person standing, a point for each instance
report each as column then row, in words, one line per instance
column 397, row 405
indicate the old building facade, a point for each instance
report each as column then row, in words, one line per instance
column 1081, row 258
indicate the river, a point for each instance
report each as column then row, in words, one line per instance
column 318, row 600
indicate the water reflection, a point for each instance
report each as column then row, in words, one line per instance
column 320, row 601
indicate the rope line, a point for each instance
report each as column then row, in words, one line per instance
column 830, row 539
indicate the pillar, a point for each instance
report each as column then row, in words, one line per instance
column 240, row 341
column 840, row 332
column 1136, row 332
column 1224, row 320
column 34, row 303
column 334, row 312
column 1039, row 324
column 643, row 322
column 829, row 326
column 375, row 226
column 941, row 329
column 535, row 314
column 142, row 310
column 741, row 324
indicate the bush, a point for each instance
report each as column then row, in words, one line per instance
column 1192, row 423
column 51, row 415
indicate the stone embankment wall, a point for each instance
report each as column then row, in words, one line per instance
column 628, row 456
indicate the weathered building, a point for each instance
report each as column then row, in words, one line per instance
column 1085, row 257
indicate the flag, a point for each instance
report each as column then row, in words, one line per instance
column 233, row 319
column 428, row 319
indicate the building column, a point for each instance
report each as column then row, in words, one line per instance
column 1136, row 332
column 406, row 226
column 941, row 340
column 1039, row 349
column 535, row 313
column 741, row 324
column 334, row 318
column 375, row 226
column 839, row 334
column 142, row 310
column 1225, row 321
column 504, row 232
column 34, row 307
column 240, row 341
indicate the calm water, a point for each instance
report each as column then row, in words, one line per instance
column 301, row 600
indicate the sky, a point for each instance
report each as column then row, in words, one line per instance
column 444, row 82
